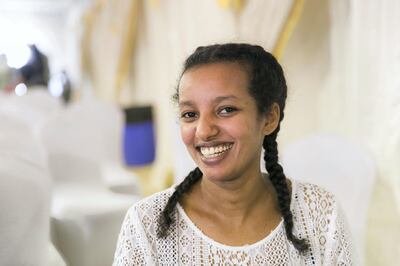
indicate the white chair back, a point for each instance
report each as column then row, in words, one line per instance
column 24, row 196
column 80, row 138
column 341, row 167
column 86, row 214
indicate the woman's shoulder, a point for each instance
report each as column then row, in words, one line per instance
column 311, row 191
column 313, row 198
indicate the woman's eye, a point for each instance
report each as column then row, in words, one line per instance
column 227, row 110
column 188, row 115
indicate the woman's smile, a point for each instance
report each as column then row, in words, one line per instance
column 214, row 154
column 215, row 151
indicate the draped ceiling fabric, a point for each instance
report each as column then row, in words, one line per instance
column 107, row 46
column 362, row 101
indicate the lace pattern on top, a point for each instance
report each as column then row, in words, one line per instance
column 317, row 218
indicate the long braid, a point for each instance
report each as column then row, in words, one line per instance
column 278, row 180
column 166, row 219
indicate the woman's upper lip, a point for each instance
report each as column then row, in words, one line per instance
column 212, row 143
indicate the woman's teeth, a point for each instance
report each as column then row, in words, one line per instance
column 211, row 152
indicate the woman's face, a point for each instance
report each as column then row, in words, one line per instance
column 219, row 121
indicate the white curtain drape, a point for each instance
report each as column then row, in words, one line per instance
column 342, row 66
column 362, row 96
column 361, row 100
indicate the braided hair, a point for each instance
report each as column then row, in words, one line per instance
column 165, row 219
column 267, row 85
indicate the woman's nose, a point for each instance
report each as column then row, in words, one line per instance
column 206, row 128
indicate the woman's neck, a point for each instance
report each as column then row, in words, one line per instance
column 235, row 199
column 234, row 213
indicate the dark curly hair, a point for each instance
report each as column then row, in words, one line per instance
column 267, row 85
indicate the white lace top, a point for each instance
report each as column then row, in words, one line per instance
column 316, row 215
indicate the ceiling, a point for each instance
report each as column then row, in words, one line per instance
column 37, row 6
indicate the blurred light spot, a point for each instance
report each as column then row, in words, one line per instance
column 21, row 89
column 17, row 55
column 56, row 86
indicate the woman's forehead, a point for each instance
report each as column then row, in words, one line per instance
column 218, row 78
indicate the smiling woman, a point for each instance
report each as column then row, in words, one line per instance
column 220, row 125
column 231, row 99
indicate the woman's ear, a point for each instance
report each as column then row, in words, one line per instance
column 271, row 119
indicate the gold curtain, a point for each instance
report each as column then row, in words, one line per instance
column 235, row 5
column 288, row 27
column 108, row 44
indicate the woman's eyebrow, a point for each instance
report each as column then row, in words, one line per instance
column 216, row 100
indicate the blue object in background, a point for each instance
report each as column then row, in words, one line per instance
column 139, row 140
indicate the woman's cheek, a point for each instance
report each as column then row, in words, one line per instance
column 187, row 134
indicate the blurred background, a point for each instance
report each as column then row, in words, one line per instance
column 88, row 127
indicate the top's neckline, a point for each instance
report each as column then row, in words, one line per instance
column 208, row 239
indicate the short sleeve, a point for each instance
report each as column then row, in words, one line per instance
column 130, row 246
column 341, row 251
column 320, row 219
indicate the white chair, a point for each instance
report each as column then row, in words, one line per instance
column 340, row 166
column 86, row 215
column 24, row 198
